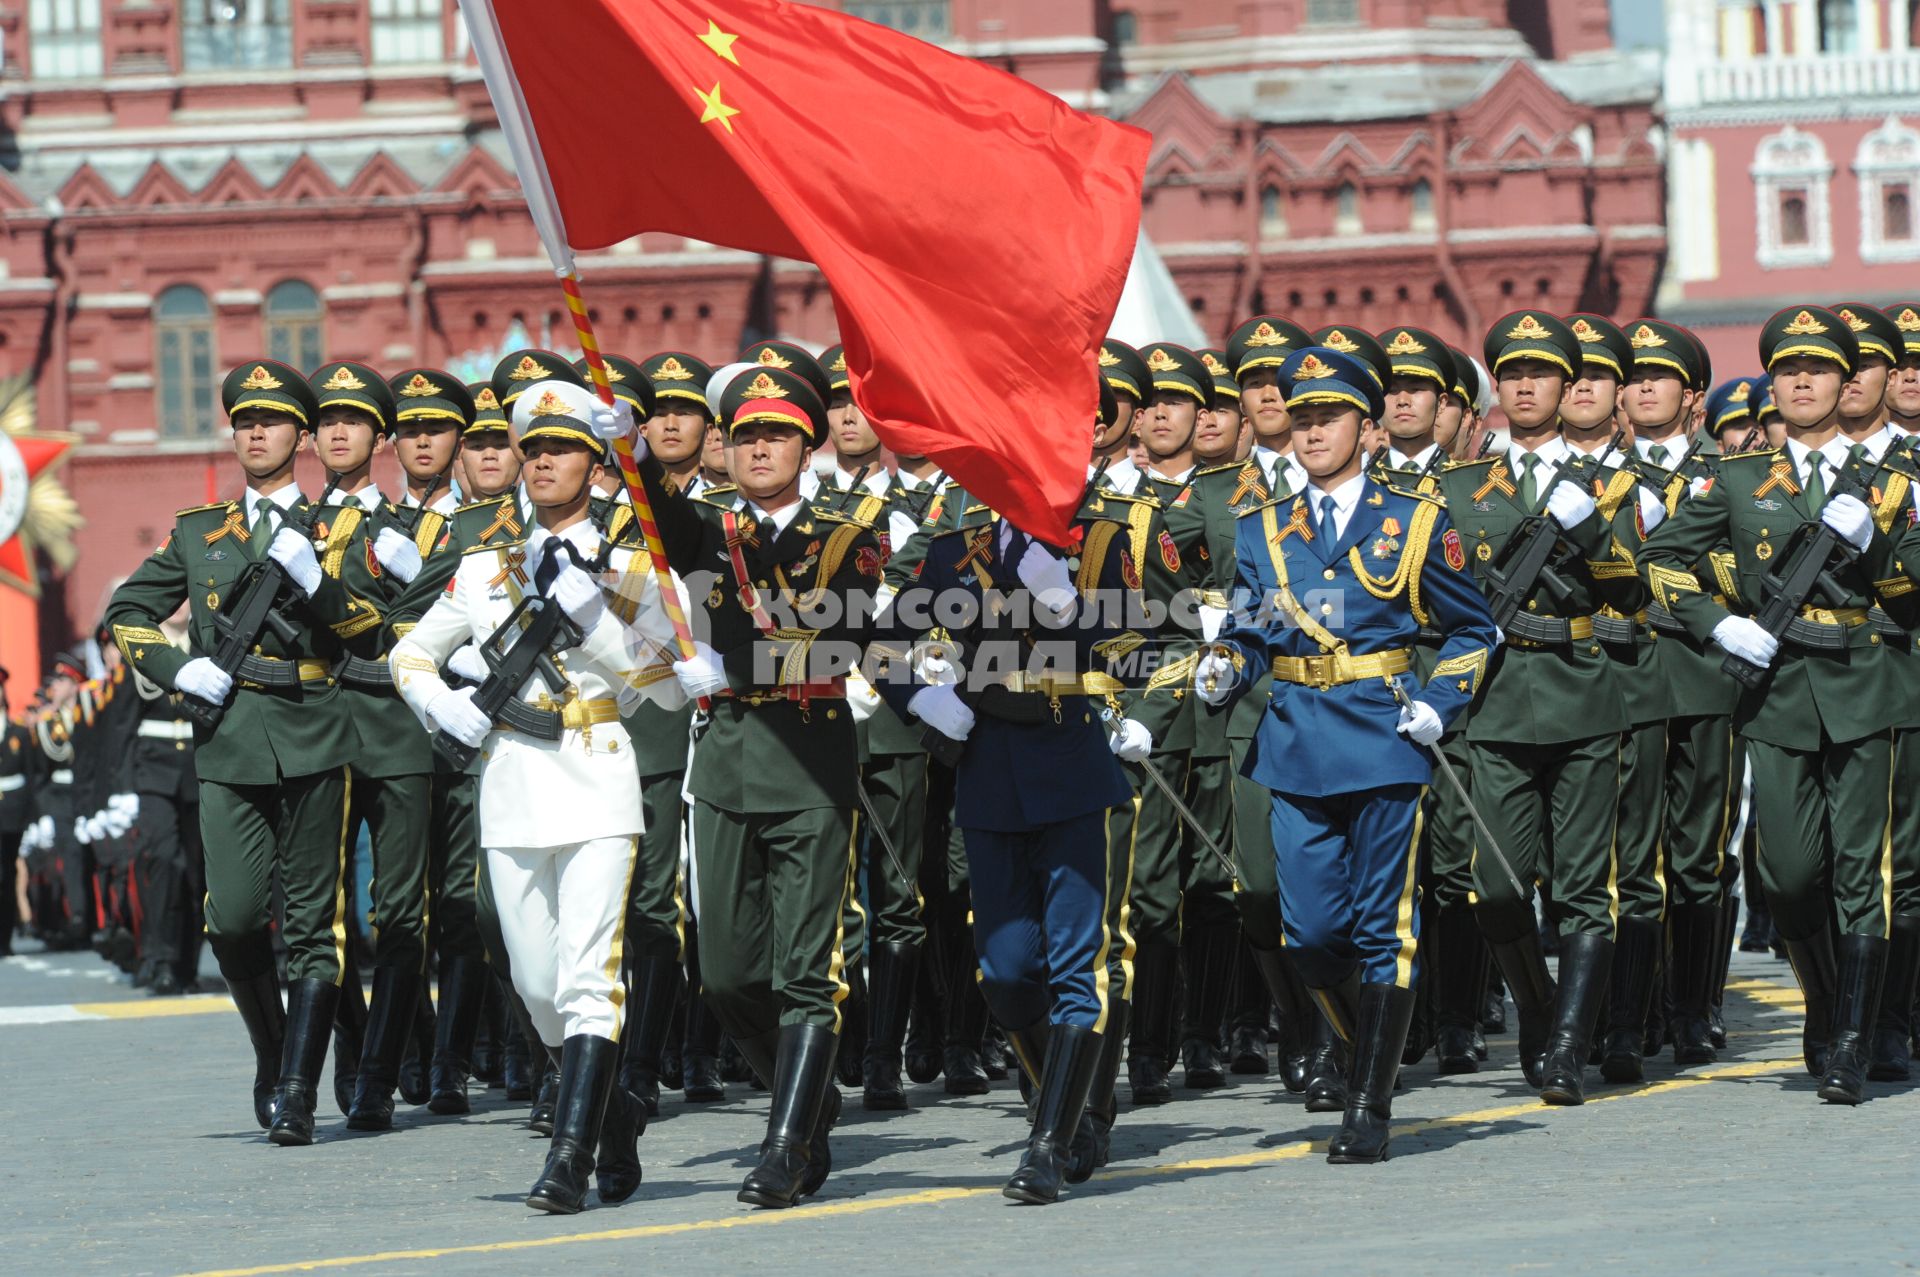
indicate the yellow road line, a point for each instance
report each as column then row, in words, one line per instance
column 1237, row 1161
column 152, row 1008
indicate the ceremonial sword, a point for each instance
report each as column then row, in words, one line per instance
column 1446, row 769
column 1180, row 808
column 880, row 828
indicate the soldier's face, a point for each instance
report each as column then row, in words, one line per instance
column 1863, row 396
column 488, row 464
column 1107, row 436
column 1446, row 421
column 1903, row 387
column 713, row 450
column 61, row 690
column 559, row 472
column 1413, row 405
column 675, row 433
column 1531, row 392
column 1806, row 390
column 1260, row 400
column 1326, row 438
column 848, row 428
column 344, row 439
column 265, row 440
column 1657, row 398
column 1167, row 426
column 1216, row 436
column 426, row 447
column 765, row 459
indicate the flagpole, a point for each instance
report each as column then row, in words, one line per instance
column 490, row 50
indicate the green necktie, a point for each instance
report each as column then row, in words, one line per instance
column 1816, row 493
column 1658, row 455
column 262, row 531
column 1529, row 484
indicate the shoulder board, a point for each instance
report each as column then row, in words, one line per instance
column 202, row 509
column 485, row 503
column 1431, row 498
column 719, row 496
column 498, row 543
column 1268, row 504
column 1089, row 514
column 1225, row 467
column 1105, row 495
column 841, row 516
column 1473, row 461
column 1748, row 456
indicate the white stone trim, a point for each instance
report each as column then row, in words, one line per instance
column 1785, row 160
column 1889, row 154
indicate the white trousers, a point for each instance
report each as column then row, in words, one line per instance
column 563, row 915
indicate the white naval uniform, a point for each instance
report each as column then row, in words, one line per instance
column 560, row 820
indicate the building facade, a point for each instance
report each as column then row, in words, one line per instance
column 1794, row 160
column 188, row 183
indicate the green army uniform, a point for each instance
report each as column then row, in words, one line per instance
column 273, row 772
column 774, row 774
column 1452, row 975
column 391, row 771
column 1546, row 726
column 1819, row 730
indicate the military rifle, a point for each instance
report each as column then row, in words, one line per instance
column 1533, row 555
column 1805, row 572
column 259, row 604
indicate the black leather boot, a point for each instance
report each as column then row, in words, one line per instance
column 389, row 1022
column 617, row 1157
column 310, row 1007
column 1693, row 963
column 1029, row 1047
column 1326, row 1067
column 349, row 1035
column 1208, row 954
column 1890, row 1058
column 587, row 1068
column 854, row 1011
column 1818, row 970
column 1073, row 1054
column 1295, row 1010
column 1722, row 960
column 1249, row 1012
column 414, row 1085
column 490, row 1033
column 1856, row 999
column 893, row 966
column 462, row 983
column 1155, row 969
column 964, row 1072
column 798, row 1119
column 922, row 1051
column 655, row 990
column 1515, row 944
column 1093, row 1143
column 702, row 1080
column 1459, row 972
column 1630, row 993
column 521, row 1055
column 540, row 1116
column 266, row 1019
column 1585, row 961
column 1386, row 1012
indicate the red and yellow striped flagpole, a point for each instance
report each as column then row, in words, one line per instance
column 629, row 468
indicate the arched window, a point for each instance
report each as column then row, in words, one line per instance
column 184, row 386
column 294, row 318
column 1346, row 217
column 1273, row 212
column 1887, row 166
column 1791, row 176
column 1422, row 200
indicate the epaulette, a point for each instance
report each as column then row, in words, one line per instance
column 1470, row 461
column 1096, row 509
column 1745, row 456
column 1431, row 498
column 1269, row 503
column 711, row 495
column 196, row 509
column 1216, row 469
column 840, row 516
column 1103, row 495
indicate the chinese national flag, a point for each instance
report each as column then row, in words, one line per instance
column 974, row 229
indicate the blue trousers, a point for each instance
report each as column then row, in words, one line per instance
column 1348, row 869
column 1040, row 921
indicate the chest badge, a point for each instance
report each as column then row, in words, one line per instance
column 1763, row 550
column 1768, row 504
column 216, row 556
column 213, row 602
column 1385, row 547
column 1483, row 552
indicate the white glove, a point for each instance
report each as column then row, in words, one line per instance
column 942, row 709
column 1850, row 520
column 30, row 838
column 1653, row 511
column 1569, row 504
column 1747, row 639
column 202, row 678
column 862, row 700
column 113, row 823
column 702, row 674
column 578, row 595
column 292, row 551
column 1420, row 723
column 467, row 662
column 129, row 803
column 610, row 421
column 83, row 830
column 1130, row 740
column 452, row 711
column 1213, row 678
column 931, row 665
column 1047, row 578
column 1211, row 621
column 43, row 828
column 397, row 554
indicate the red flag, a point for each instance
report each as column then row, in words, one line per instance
column 974, row 229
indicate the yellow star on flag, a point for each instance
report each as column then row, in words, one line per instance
column 714, row 109
column 719, row 41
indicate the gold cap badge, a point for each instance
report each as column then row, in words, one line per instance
column 1854, row 321
column 771, row 358
column 672, row 369
column 1644, row 337
column 1341, row 342
column 1907, row 321
column 1404, row 344
column 1803, row 325
column 418, row 387
column 1161, row 361
column 1214, row 366
column 260, row 379
column 1740, row 392
column 1585, row 331
column 764, row 387
column 839, row 363
column 486, row 400
column 614, row 374
column 1528, row 329
column 1107, row 358
column 551, row 405
column 1265, row 335
column 1312, row 368
column 343, row 379
column 528, row 369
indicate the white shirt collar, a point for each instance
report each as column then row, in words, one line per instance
column 285, row 498
column 1182, row 477
column 781, row 517
column 1122, row 475
column 444, row 502
column 1345, row 499
column 1879, row 441
column 809, row 484
column 368, row 498
column 1676, row 449
column 1275, row 464
column 1550, row 454
column 875, row 482
column 1418, row 461
column 912, row 484
column 1834, row 451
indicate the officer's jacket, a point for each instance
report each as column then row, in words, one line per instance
column 1399, row 566
column 266, row 733
column 50, row 769
column 16, row 794
column 1050, row 762
column 541, row 793
column 1754, row 506
column 1221, row 492
column 1247, row 490
column 1549, row 693
column 781, row 737
column 159, row 752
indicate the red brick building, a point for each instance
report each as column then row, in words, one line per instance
column 186, row 183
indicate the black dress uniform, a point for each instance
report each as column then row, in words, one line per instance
column 171, row 866
column 16, row 810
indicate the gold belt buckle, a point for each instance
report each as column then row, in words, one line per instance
column 1320, row 672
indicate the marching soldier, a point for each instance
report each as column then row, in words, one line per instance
column 559, row 869
column 488, row 465
column 16, row 806
column 171, row 864
column 1903, row 383
column 775, row 769
column 273, row 770
column 1346, row 787
column 1545, row 734
column 1819, row 723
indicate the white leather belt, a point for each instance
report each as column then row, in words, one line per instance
column 61, row 776
column 165, row 729
column 10, row 783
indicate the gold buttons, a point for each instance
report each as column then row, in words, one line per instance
column 1874, row 639
column 1326, row 609
column 833, row 713
column 1595, row 649
column 1328, row 574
